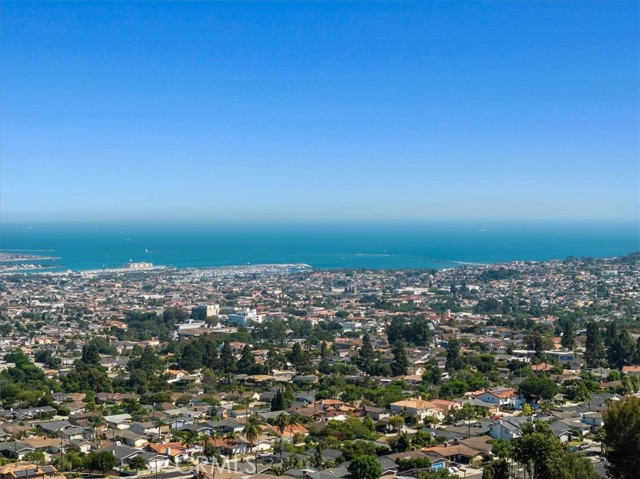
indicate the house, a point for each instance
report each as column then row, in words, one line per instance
column 82, row 419
column 177, row 451
column 27, row 470
column 501, row 397
column 15, row 449
column 200, row 428
column 291, row 431
column 507, row 428
column 114, row 398
column 229, row 447
column 131, row 438
column 563, row 430
column 225, row 426
column 53, row 427
column 420, row 408
column 82, row 445
column 376, row 413
column 491, row 409
column 124, row 454
column 120, row 421
column 593, row 419
column 632, row 370
column 444, row 406
column 175, row 375
column 149, row 428
column 179, row 422
column 455, row 452
column 29, row 413
column 45, row 444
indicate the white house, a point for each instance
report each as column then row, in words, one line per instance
column 418, row 407
column 501, row 397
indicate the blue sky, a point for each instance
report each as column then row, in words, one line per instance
column 270, row 110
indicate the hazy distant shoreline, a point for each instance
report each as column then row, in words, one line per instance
column 338, row 245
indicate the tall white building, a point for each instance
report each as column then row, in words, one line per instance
column 245, row 316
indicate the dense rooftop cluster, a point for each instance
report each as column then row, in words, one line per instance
column 289, row 371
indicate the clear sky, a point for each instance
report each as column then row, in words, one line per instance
column 488, row 110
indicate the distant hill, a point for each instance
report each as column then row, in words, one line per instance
column 497, row 274
column 630, row 258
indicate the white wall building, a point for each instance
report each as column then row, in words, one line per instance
column 243, row 317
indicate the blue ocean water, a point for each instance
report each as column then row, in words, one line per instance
column 85, row 246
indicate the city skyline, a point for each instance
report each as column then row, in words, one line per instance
column 322, row 111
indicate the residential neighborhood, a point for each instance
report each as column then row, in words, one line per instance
column 290, row 372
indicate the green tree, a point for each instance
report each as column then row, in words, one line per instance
column 227, row 359
column 432, row 374
column 192, row 356
column 497, row 470
column 365, row 467
column 281, row 423
column 90, row 354
column 400, row 365
column 501, row 448
column 366, row 355
column 568, row 335
column 317, row 456
column 325, row 365
column 252, row 430
column 281, row 400
column 620, row 346
column 622, row 437
column 137, row 463
column 247, row 360
column 636, row 357
column 538, row 388
column 297, row 356
column 101, row 461
column 419, row 332
column 595, row 353
column 45, row 356
column 36, row 457
column 400, row 443
column 539, row 343
column 544, row 456
column 454, row 360
column 438, row 474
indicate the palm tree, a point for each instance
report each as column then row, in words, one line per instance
column 251, row 432
column 292, row 421
column 96, row 423
column 190, row 438
column 204, row 439
column 158, row 423
column 231, row 436
column 215, row 435
column 281, row 423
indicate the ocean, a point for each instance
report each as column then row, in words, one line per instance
column 322, row 245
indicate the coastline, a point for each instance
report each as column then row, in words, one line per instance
column 328, row 245
column 265, row 268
